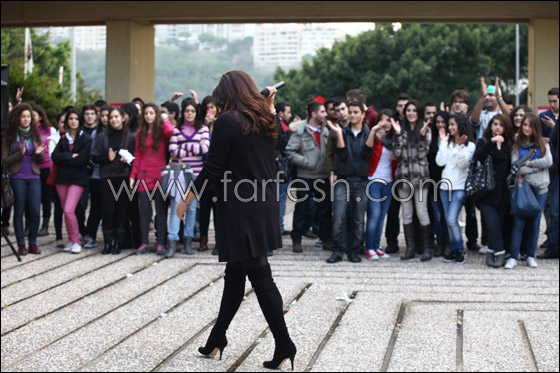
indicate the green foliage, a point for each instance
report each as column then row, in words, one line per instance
column 427, row 61
column 41, row 86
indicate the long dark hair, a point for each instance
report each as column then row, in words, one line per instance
column 125, row 127
column 198, row 123
column 413, row 134
column 12, row 131
column 463, row 126
column 434, row 146
column 143, row 128
column 536, row 136
column 508, row 129
column 132, row 111
column 44, row 119
column 525, row 108
column 238, row 94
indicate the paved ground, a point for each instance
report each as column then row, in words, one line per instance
column 93, row 312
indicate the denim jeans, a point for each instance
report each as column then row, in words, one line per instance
column 27, row 193
column 534, row 224
column 356, row 206
column 439, row 224
column 175, row 222
column 283, row 193
column 321, row 193
column 452, row 210
column 376, row 212
column 553, row 231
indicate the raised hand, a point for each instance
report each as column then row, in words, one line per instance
column 424, row 128
column 334, row 127
column 176, row 95
column 463, row 139
column 40, row 149
column 497, row 85
column 442, row 107
column 396, row 126
column 483, row 86
column 194, row 95
column 19, row 93
column 443, row 135
column 112, row 154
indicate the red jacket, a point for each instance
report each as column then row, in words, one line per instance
column 376, row 156
column 371, row 117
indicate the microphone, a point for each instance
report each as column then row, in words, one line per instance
column 278, row 85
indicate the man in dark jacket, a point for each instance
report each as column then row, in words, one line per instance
column 354, row 147
column 552, row 250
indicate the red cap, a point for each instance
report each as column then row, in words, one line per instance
column 320, row 99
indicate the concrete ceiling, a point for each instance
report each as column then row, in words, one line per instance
column 76, row 13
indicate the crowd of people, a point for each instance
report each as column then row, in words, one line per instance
column 350, row 168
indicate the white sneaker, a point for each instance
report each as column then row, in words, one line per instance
column 76, row 248
column 511, row 264
column 382, row 254
column 372, row 255
column 68, row 247
column 531, row 262
column 483, row 250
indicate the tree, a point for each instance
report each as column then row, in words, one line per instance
column 41, row 86
column 428, row 61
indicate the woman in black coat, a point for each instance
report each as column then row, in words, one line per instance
column 496, row 142
column 242, row 156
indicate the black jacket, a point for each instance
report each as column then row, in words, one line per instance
column 244, row 229
column 72, row 171
column 100, row 155
column 353, row 159
column 501, row 160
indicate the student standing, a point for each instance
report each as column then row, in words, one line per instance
column 72, row 155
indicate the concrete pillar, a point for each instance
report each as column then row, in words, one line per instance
column 543, row 60
column 130, row 62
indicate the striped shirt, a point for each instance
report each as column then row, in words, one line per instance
column 190, row 149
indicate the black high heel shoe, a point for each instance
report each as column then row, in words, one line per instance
column 281, row 354
column 213, row 345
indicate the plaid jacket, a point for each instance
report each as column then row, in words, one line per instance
column 412, row 156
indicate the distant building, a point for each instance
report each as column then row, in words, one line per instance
column 87, row 37
column 277, row 45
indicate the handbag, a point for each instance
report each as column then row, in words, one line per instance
column 172, row 172
column 523, row 201
column 8, row 198
column 480, row 180
column 52, row 174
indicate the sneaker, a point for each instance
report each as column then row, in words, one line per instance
column 90, row 244
column 372, row 255
column 143, row 249
column 68, row 247
column 460, row 257
column 531, row 262
column 511, row 264
column 76, row 248
column 451, row 257
column 483, row 250
column 160, row 250
column 381, row 254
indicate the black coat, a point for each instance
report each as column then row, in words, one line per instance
column 72, row 171
column 501, row 160
column 244, row 230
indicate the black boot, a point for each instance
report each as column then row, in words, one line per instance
column 440, row 247
column 490, row 258
column 171, row 247
column 117, row 248
column 270, row 301
column 108, row 244
column 427, row 240
column 410, row 239
column 45, row 228
column 187, row 243
column 234, row 289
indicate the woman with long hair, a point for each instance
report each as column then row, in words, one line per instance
column 149, row 156
column 441, row 121
column 535, row 172
column 517, row 115
column 113, row 170
column 23, row 151
column 496, row 142
column 58, row 212
column 411, row 144
column 189, row 142
column 46, row 130
column 72, row 155
column 454, row 155
column 246, row 230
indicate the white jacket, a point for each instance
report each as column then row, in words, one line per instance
column 455, row 159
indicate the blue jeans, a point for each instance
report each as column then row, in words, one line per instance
column 341, row 209
column 283, row 193
column 452, row 210
column 553, row 232
column 439, row 224
column 376, row 212
column 27, row 193
column 175, row 222
column 534, row 225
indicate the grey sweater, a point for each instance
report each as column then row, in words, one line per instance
column 538, row 174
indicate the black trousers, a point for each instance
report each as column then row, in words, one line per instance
column 94, row 208
column 47, row 192
column 206, row 205
column 146, row 213
column 321, row 193
column 494, row 218
column 392, row 226
column 114, row 209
